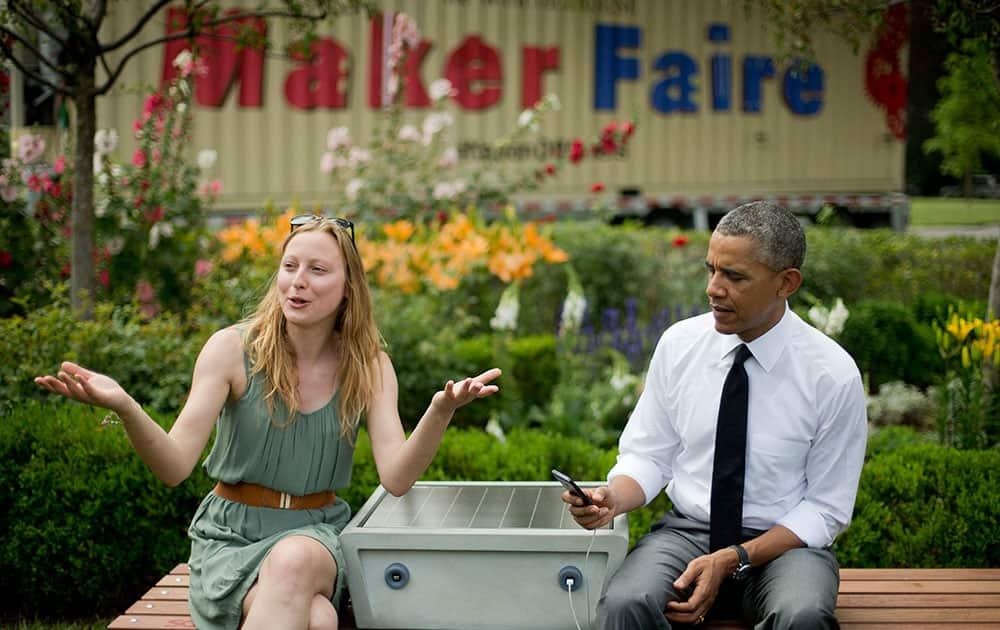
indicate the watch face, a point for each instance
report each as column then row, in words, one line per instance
column 741, row 572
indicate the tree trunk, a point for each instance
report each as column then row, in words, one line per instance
column 926, row 54
column 82, row 265
column 993, row 305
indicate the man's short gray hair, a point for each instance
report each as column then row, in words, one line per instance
column 779, row 235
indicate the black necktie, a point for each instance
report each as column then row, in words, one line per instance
column 730, row 456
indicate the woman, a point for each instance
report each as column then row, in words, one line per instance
column 288, row 387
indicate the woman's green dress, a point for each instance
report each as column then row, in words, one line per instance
column 230, row 540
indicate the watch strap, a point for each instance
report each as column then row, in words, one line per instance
column 743, row 568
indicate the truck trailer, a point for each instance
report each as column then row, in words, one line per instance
column 720, row 118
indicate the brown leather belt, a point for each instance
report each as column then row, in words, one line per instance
column 260, row 496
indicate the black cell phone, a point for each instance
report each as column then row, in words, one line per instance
column 570, row 485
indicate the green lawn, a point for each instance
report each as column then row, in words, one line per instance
column 951, row 211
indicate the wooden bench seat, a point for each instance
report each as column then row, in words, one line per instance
column 869, row 599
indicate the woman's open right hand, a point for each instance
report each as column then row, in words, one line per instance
column 83, row 385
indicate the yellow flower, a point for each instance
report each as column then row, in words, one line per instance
column 960, row 328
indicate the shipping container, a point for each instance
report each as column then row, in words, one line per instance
column 719, row 117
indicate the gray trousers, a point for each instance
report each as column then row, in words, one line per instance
column 795, row 590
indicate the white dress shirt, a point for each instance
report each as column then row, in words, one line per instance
column 806, row 426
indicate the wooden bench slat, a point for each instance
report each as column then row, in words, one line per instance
column 920, row 600
column 151, row 622
column 146, row 607
column 850, row 575
column 166, row 592
column 175, row 580
column 898, row 586
column 919, row 615
column 952, row 625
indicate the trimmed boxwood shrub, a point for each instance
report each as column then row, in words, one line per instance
column 926, row 506
column 86, row 527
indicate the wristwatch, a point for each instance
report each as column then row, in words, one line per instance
column 743, row 568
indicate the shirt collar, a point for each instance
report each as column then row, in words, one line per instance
column 767, row 348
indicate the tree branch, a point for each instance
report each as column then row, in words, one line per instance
column 139, row 25
column 9, row 54
column 36, row 22
column 113, row 75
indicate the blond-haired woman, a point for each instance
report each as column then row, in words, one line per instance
column 286, row 390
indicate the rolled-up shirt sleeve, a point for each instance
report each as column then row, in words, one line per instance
column 833, row 467
column 647, row 445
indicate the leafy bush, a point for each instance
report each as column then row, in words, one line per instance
column 858, row 264
column 926, row 506
column 152, row 359
column 889, row 344
column 894, row 437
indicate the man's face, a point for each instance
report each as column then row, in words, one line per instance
column 747, row 297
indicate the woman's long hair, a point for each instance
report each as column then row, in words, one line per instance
column 271, row 352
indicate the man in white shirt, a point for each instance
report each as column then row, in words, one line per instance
column 805, row 432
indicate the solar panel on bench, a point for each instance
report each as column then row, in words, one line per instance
column 503, row 507
column 476, row 555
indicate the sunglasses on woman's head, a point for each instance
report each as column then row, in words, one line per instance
column 303, row 219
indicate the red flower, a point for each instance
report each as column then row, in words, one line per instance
column 576, row 151
column 609, row 129
column 65, row 271
column 105, row 279
column 139, row 158
column 628, row 128
column 608, row 144
column 5, row 259
column 153, row 103
column 550, row 169
column 60, row 164
column 680, row 241
column 155, row 214
column 596, row 187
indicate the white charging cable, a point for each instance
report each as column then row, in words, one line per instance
column 569, row 590
column 570, row 583
column 586, row 561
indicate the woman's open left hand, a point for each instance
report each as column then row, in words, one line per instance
column 83, row 385
column 454, row 395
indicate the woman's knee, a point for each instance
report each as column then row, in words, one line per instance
column 322, row 614
column 300, row 561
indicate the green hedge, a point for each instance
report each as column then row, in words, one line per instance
column 85, row 525
column 926, row 506
column 87, row 528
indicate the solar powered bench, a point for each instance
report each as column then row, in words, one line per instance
column 487, row 555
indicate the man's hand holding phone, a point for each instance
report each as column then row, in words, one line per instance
column 591, row 508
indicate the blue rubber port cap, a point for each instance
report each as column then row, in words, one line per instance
column 568, row 572
column 397, row 575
